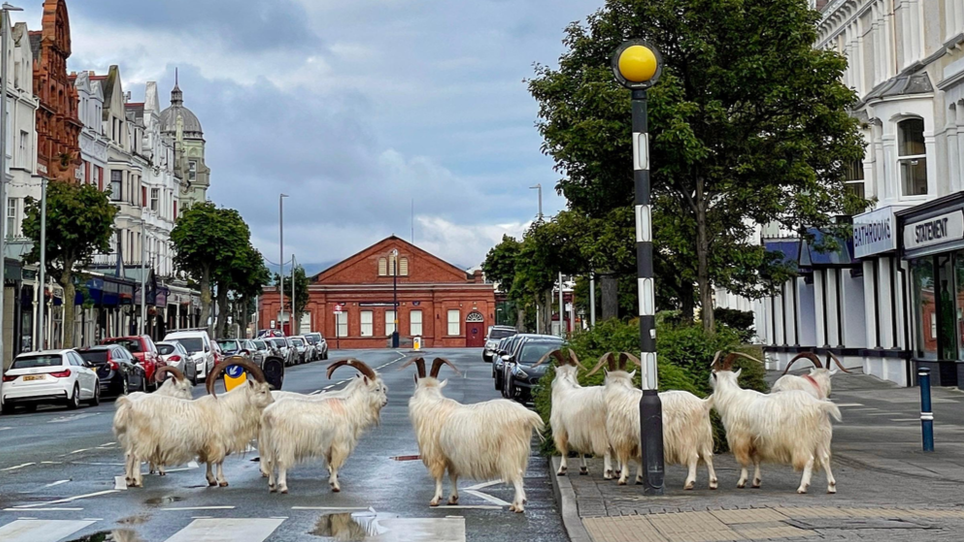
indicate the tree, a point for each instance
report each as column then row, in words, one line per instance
column 748, row 126
column 301, row 293
column 208, row 242
column 80, row 223
column 244, row 277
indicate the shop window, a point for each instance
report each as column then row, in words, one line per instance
column 341, row 323
column 382, row 267
column 925, row 308
column 415, row 323
column 912, row 157
column 389, row 322
column 454, row 321
column 366, row 324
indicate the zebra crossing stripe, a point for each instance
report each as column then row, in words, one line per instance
column 32, row 530
column 227, row 530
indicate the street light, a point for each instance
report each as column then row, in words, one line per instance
column 538, row 187
column 395, row 297
column 4, row 24
column 637, row 66
column 281, row 271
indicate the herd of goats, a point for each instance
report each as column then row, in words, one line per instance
column 490, row 440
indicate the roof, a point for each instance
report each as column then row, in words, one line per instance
column 394, row 240
column 45, row 352
column 36, row 37
column 192, row 126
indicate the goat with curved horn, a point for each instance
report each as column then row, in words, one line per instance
column 251, row 369
column 810, row 356
column 437, row 364
column 553, row 354
column 608, row 358
column 716, row 359
column 359, row 365
column 162, row 373
column 574, row 359
column 837, row 361
column 419, row 366
column 625, row 357
column 731, row 358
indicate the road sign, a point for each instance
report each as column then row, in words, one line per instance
column 337, row 309
column 417, row 344
column 233, row 377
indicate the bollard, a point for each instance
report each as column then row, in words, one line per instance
column 926, row 415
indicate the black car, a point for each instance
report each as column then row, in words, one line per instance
column 520, row 375
column 117, row 369
column 504, row 350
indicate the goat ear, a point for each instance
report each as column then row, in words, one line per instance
column 366, row 380
column 738, row 371
column 443, row 383
column 416, row 378
column 632, row 374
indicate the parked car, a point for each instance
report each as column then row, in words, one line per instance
column 117, row 369
column 521, row 377
column 492, row 338
column 261, row 350
column 51, row 376
column 175, row 355
column 504, row 353
column 300, row 348
column 317, row 340
column 280, row 345
column 218, row 354
column 269, row 333
column 144, row 350
column 201, row 349
column 231, row 347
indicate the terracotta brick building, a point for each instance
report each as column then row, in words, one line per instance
column 438, row 301
column 58, row 125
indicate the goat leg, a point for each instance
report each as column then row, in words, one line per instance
column 454, row 497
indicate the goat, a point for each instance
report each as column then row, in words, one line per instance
column 578, row 416
column 483, row 441
column 687, row 431
column 170, row 431
column 293, row 430
column 817, row 383
column 178, row 386
column 790, row 427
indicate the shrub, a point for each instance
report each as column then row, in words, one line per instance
column 684, row 355
column 740, row 321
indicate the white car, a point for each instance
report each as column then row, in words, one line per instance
column 51, row 376
column 199, row 347
column 175, row 355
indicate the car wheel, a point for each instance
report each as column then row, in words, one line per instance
column 498, row 381
column 7, row 408
column 510, row 389
column 73, row 402
column 96, row 399
column 143, row 383
column 194, row 377
column 125, row 386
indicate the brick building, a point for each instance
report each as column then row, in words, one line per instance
column 438, row 301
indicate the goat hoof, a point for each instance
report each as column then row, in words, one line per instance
column 741, row 486
column 223, row 484
column 212, row 483
column 831, row 490
column 621, row 482
column 583, row 471
column 714, row 484
column 433, row 503
column 162, row 474
column 802, row 491
column 608, row 475
column 272, row 490
column 336, row 490
column 689, row 486
column 284, row 491
column 639, row 481
column 560, row 472
column 453, row 500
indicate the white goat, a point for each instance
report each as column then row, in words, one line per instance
column 294, row 430
column 171, row 431
column 578, row 417
column 817, row 383
column 791, row 427
column 687, row 431
column 483, row 441
column 178, row 386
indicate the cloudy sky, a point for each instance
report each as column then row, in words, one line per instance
column 352, row 107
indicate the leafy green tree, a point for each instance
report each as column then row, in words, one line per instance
column 301, row 293
column 208, row 242
column 748, row 126
column 243, row 278
column 80, row 223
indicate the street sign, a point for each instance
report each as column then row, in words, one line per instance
column 337, row 309
column 233, row 377
column 417, row 344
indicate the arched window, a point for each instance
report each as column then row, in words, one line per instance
column 403, row 267
column 912, row 157
column 382, row 267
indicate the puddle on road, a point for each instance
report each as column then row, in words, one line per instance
column 371, row 526
column 134, row 520
column 350, row 527
column 167, row 499
column 117, row 535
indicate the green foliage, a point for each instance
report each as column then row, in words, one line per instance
column 301, row 289
column 740, row 321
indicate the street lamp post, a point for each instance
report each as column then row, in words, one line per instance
column 395, row 297
column 291, row 325
column 281, row 271
column 538, row 187
column 4, row 25
column 637, row 66
column 42, row 306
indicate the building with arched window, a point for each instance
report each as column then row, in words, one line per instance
column 352, row 302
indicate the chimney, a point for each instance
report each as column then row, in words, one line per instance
column 127, row 96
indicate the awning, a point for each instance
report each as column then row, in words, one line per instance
column 841, row 256
column 784, row 251
column 106, row 291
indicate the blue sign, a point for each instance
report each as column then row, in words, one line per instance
column 234, row 371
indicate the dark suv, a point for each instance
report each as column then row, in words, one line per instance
column 116, row 369
column 520, row 375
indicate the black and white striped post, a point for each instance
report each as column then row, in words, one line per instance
column 637, row 66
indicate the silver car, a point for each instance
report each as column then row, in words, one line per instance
column 175, row 355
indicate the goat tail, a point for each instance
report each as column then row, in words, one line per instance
column 122, row 417
column 534, row 421
column 831, row 409
column 708, row 403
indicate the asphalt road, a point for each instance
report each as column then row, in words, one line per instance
column 58, row 468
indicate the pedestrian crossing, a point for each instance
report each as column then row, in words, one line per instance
column 369, row 525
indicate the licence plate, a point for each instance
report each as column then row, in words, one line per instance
column 28, row 378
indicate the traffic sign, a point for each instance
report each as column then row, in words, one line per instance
column 337, row 309
column 233, row 377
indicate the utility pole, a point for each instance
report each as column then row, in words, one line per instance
column 143, row 324
column 592, row 300
column 395, row 297
column 281, row 272
column 43, row 264
column 538, row 187
column 562, row 310
column 291, row 325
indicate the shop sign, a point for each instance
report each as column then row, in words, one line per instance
column 875, row 232
column 935, row 230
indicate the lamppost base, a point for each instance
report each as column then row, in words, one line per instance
column 395, row 339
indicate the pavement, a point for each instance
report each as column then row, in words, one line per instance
column 887, row 488
column 58, row 469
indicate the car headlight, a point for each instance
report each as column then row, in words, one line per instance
column 521, row 374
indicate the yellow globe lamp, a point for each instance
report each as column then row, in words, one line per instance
column 637, row 64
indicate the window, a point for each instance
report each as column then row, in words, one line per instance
column 366, row 324
column 155, row 199
column 98, row 179
column 341, row 324
column 403, row 267
column 415, row 323
column 455, row 322
column 12, row 218
column 389, row 322
column 912, row 161
column 116, row 180
column 192, row 170
column 854, row 181
column 382, row 267
column 24, row 149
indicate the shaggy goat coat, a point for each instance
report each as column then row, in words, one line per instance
column 578, row 419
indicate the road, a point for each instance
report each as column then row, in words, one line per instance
column 58, row 469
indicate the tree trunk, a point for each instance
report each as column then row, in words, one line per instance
column 222, row 323
column 70, row 293
column 520, row 318
column 703, row 256
column 547, row 313
column 245, row 319
column 206, row 298
column 609, row 286
column 687, row 298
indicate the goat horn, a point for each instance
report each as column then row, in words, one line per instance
column 437, row 364
column 731, row 357
column 716, row 359
column 553, row 354
column 632, row 358
column 837, row 361
column 607, row 357
column 809, row 355
column 161, row 373
column 251, row 368
column 359, row 365
column 419, row 365
column 574, row 359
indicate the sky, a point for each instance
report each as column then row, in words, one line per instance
column 355, row 109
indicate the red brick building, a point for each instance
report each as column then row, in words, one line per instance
column 437, row 301
column 58, row 126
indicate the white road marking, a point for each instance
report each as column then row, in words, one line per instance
column 69, row 499
column 849, row 404
column 8, row 469
column 183, row 508
column 473, row 507
column 120, row 483
column 75, row 417
column 5, row 428
column 57, row 483
column 31, row 530
column 316, row 392
column 329, row 508
column 107, row 444
column 227, row 530
column 93, row 519
column 905, row 419
column 190, row 466
column 450, row 529
column 490, row 498
column 484, row 485
column 50, row 462
column 42, row 510
column 79, row 451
